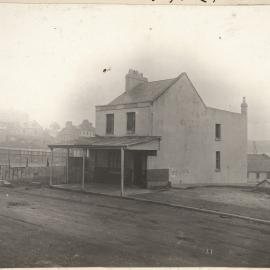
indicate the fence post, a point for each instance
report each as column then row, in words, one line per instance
column 122, row 170
column 67, row 165
column 83, row 169
column 51, row 168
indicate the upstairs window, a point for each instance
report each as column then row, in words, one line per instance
column 109, row 123
column 218, row 132
column 131, row 122
column 218, row 162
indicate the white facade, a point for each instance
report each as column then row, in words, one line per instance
column 187, row 129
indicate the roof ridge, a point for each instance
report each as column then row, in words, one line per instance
column 218, row 109
column 163, row 80
column 143, row 83
column 170, row 85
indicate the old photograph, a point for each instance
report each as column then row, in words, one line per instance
column 134, row 135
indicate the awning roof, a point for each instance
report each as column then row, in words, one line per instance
column 107, row 142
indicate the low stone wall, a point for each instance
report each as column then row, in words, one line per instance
column 252, row 177
column 157, row 178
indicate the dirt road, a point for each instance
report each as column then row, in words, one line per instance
column 245, row 201
column 44, row 227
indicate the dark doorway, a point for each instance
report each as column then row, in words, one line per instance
column 139, row 169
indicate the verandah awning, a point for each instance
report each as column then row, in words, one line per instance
column 113, row 142
column 142, row 143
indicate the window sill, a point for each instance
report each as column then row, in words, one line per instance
column 217, row 170
column 218, row 139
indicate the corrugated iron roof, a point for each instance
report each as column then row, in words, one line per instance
column 107, row 141
column 258, row 163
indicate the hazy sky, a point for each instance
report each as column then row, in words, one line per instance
column 52, row 56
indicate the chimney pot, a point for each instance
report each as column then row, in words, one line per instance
column 134, row 78
column 244, row 106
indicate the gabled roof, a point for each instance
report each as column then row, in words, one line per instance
column 145, row 92
column 150, row 91
column 258, row 163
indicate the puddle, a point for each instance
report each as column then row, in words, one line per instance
column 187, row 239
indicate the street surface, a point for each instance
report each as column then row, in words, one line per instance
column 46, row 228
column 245, row 201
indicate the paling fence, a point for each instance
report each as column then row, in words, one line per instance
column 31, row 164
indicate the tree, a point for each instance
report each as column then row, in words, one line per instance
column 55, row 126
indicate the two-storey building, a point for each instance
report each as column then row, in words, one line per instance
column 166, row 133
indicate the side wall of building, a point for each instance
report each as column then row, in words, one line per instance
column 180, row 118
column 188, row 146
column 143, row 120
column 232, row 145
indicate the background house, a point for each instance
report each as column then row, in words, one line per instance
column 53, row 129
column 68, row 133
column 71, row 132
column 28, row 134
column 258, row 167
column 31, row 129
column 86, row 129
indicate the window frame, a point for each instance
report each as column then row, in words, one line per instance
column 111, row 130
column 133, row 122
column 218, row 132
column 218, row 161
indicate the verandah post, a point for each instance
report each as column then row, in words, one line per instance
column 122, row 170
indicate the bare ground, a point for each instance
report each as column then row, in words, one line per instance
column 246, row 201
column 44, row 227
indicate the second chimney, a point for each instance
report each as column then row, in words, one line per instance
column 134, row 78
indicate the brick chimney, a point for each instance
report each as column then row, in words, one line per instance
column 134, row 78
column 244, row 106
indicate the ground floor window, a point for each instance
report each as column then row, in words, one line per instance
column 114, row 160
column 218, row 162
